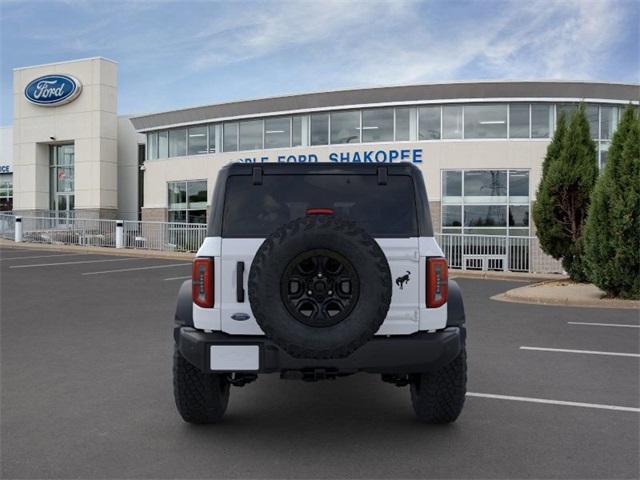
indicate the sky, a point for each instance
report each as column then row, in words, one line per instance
column 176, row 54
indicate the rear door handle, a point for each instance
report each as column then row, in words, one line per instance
column 239, row 282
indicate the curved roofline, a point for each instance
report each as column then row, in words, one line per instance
column 456, row 91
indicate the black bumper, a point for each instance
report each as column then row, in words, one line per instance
column 420, row 352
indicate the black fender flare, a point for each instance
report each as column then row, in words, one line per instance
column 455, row 306
column 184, row 306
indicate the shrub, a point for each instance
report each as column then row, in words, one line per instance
column 612, row 233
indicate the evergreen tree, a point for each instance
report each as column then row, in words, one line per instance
column 563, row 197
column 612, row 233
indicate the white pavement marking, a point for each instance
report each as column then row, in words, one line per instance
column 589, row 352
column 554, row 402
column 605, row 324
column 41, row 256
column 138, row 268
column 177, row 278
column 75, row 263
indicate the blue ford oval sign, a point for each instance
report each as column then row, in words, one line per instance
column 53, row 90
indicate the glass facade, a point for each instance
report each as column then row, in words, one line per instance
column 187, row 201
column 6, row 192
column 377, row 125
column 385, row 124
column 485, row 121
column 486, row 202
column 62, row 179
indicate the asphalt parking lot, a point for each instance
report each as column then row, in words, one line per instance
column 86, row 346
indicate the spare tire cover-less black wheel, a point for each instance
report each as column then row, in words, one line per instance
column 320, row 287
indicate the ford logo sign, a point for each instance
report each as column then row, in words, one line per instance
column 241, row 317
column 53, row 90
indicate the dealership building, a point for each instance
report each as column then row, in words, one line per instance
column 480, row 145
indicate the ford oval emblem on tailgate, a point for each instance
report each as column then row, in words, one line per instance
column 241, row 316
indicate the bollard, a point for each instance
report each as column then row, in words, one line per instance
column 119, row 234
column 18, row 230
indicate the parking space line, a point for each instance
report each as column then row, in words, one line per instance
column 75, row 263
column 605, row 324
column 42, row 256
column 554, row 402
column 589, row 352
column 152, row 267
column 177, row 278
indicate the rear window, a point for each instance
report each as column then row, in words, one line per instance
column 257, row 210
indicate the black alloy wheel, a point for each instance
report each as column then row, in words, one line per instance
column 320, row 287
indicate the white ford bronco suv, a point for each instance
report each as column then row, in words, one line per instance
column 317, row 271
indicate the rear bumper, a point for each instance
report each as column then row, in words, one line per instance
column 420, row 352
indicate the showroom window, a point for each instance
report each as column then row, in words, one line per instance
column 320, row 129
column 61, row 179
column 485, row 121
column 377, row 125
column 452, row 121
column 6, row 192
column 163, row 144
column 178, row 142
column 230, row 137
column 251, row 135
column 152, row 146
column 485, row 202
column 296, row 131
column 519, row 120
column 429, row 123
column 212, row 138
column 345, row 127
column 403, row 124
column 541, row 120
column 277, row 132
column 197, row 140
column 187, row 201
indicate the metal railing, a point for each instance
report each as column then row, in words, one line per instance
column 69, row 231
column 466, row 252
column 7, row 226
column 164, row 236
column 496, row 253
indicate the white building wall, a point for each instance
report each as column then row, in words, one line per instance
column 436, row 156
column 128, row 169
column 90, row 122
column 6, row 149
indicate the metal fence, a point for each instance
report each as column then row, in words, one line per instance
column 7, row 226
column 69, row 231
column 164, row 236
column 496, row 253
column 466, row 252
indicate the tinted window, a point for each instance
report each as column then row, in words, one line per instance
column 257, row 210
column 519, row 120
column 485, row 121
column 178, row 142
column 277, row 132
column 320, row 129
column 377, row 125
column 429, row 123
column 403, row 121
column 345, row 127
column 251, row 135
column 541, row 120
column 452, row 122
column 197, row 140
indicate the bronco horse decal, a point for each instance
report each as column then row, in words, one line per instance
column 400, row 281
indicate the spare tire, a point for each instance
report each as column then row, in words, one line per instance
column 320, row 287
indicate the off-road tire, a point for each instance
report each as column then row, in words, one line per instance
column 438, row 397
column 302, row 235
column 200, row 397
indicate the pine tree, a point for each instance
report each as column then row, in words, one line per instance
column 563, row 197
column 612, row 233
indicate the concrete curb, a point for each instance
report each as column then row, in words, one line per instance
column 511, row 276
column 125, row 252
column 570, row 296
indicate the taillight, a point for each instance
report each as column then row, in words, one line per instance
column 437, row 282
column 202, row 282
column 319, row 211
